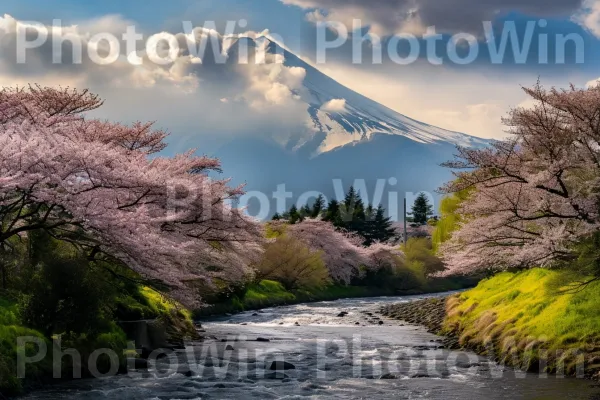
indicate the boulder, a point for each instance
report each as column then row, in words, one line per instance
column 281, row 366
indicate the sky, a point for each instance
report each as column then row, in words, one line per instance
column 192, row 100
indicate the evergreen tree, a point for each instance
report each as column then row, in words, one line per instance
column 318, row 207
column 305, row 212
column 294, row 215
column 276, row 217
column 422, row 209
column 384, row 229
column 353, row 212
column 378, row 227
column 333, row 213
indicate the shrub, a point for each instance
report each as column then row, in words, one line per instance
column 289, row 261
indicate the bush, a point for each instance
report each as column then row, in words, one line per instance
column 293, row 264
column 420, row 258
column 68, row 296
column 10, row 330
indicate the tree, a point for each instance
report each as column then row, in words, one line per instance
column 305, row 211
column 534, row 197
column 290, row 262
column 276, row 217
column 343, row 252
column 422, row 209
column 101, row 187
column 332, row 214
column 318, row 207
column 383, row 229
column 293, row 215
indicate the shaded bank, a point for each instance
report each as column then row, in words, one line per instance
column 155, row 322
column 527, row 320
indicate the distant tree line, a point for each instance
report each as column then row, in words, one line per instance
column 351, row 214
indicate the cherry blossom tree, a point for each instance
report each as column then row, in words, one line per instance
column 102, row 187
column 534, row 196
column 343, row 253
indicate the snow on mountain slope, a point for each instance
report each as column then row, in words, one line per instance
column 344, row 116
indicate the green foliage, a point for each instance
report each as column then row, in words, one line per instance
column 351, row 215
column 67, row 296
column 265, row 293
column 420, row 258
column 318, row 207
column 449, row 219
column 378, row 227
column 536, row 310
column 58, row 292
column 293, row 264
column 422, row 210
column 10, row 329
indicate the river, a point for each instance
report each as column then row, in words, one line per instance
column 354, row 356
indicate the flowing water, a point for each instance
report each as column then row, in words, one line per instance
column 354, row 356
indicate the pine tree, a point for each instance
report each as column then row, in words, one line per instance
column 294, row 215
column 353, row 212
column 422, row 209
column 378, row 227
column 305, row 212
column 333, row 213
column 276, row 217
column 318, row 207
column 384, row 227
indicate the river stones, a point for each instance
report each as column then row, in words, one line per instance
column 276, row 375
column 342, row 314
column 229, row 348
column 281, row 366
column 265, row 340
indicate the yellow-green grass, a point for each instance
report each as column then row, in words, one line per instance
column 523, row 317
column 163, row 305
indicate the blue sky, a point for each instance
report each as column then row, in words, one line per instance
column 470, row 98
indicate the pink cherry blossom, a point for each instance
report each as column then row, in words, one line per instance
column 537, row 193
column 101, row 186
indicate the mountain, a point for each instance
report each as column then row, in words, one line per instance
column 352, row 139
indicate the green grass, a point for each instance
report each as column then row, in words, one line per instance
column 267, row 293
column 10, row 330
column 271, row 294
column 529, row 313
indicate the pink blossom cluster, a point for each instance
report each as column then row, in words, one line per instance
column 535, row 195
column 102, row 186
column 343, row 253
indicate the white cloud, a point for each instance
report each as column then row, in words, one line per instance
column 191, row 96
column 592, row 83
column 335, row 105
column 589, row 16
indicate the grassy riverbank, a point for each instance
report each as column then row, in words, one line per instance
column 145, row 304
column 522, row 318
column 271, row 294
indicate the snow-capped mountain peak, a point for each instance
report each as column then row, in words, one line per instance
column 341, row 116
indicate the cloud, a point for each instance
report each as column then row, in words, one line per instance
column 335, row 105
column 589, row 17
column 194, row 97
column 593, row 83
column 394, row 16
